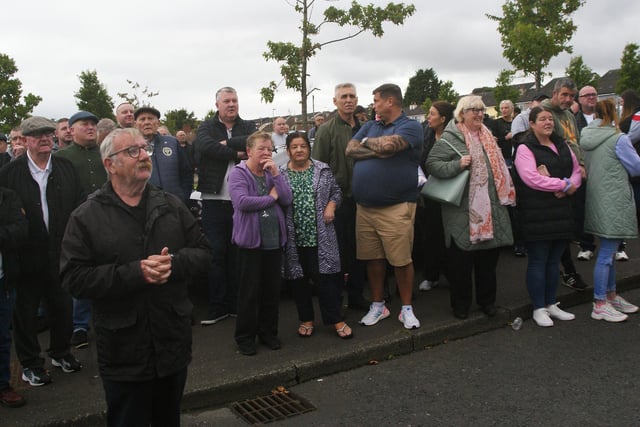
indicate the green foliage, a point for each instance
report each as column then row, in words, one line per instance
column 580, row 73
column 629, row 69
column 447, row 93
column 426, row 105
column 176, row 120
column 424, row 84
column 137, row 100
column 209, row 114
column 534, row 31
column 294, row 59
column 504, row 89
column 93, row 96
column 12, row 111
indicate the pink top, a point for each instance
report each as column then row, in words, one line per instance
column 526, row 164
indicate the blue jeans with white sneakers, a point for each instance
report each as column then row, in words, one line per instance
column 604, row 273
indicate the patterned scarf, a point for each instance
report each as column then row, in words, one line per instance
column 480, row 219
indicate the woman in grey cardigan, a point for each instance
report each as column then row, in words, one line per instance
column 475, row 230
column 311, row 251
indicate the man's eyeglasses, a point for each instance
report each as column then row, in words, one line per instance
column 589, row 95
column 475, row 110
column 134, row 151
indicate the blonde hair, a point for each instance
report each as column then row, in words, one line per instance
column 469, row 101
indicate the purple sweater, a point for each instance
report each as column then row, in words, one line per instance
column 247, row 205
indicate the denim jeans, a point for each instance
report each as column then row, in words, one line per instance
column 7, row 300
column 543, row 270
column 604, row 273
column 81, row 314
column 217, row 223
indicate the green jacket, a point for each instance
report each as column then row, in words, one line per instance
column 566, row 127
column 610, row 208
column 88, row 164
column 443, row 162
column 330, row 146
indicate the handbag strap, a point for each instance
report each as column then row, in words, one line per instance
column 452, row 147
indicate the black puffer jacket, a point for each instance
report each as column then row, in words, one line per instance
column 212, row 157
column 14, row 230
column 143, row 331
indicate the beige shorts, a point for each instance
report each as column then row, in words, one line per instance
column 386, row 232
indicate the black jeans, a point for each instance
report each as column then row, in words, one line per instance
column 258, row 294
column 430, row 235
column 467, row 267
column 155, row 402
column 29, row 292
column 329, row 290
column 345, row 223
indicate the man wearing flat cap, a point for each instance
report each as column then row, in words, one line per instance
column 85, row 156
column 171, row 169
column 49, row 189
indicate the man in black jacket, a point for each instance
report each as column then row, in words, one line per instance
column 49, row 189
column 220, row 144
column 131, row 249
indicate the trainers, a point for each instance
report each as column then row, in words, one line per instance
column 622, row 256
column 427, row 285
column 375, row 314
column 9, row 397
column 541, row 317
column 67, row 363
column 554, row 311
column 574, row 281
column 408, row 319
column 585, row 255
column 607, row 312
column 213, row 319
column 79, row 339
column 36, row 376
column 622, row 305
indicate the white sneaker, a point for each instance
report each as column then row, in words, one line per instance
column 555, row 312
column 608, row 313
column 622, row 256
column 375, row 314
column 541, row 317
column 408, row 319
column 622, row 305
column 585, row 255
column 427, row 285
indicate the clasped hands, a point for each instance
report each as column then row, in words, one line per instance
column 156, row 269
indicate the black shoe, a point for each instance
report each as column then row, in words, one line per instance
column 490, row 310
column 460, row 314
column 214, row 318
column 359, row 304
column 79, row 339
column 574, row 281
column 247, row 348
column 36, row 376
column 520, row 251
column 67, row 363
column 271, row 342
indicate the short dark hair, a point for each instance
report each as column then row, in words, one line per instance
column 389, row 90
column 294, row 135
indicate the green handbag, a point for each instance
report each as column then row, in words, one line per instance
column 446, row 190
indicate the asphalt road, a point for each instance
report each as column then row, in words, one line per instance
column 578, row 373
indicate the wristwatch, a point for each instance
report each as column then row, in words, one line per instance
column 364, row 140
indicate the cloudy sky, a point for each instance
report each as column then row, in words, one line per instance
column 187, row 50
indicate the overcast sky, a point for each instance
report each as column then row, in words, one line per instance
column 187, row 50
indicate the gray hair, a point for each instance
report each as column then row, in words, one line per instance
column 106, row 148
column 226, row 89
column 564, row 82
column 344, row 86
column 469, row 101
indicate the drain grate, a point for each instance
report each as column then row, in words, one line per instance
column 279, row 405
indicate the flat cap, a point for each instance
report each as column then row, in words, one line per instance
column 3, row 137
column 146, row 110
column 36, row 124
column 539, row 97
column 82, row 115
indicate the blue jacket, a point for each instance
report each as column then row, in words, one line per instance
column 171, row 169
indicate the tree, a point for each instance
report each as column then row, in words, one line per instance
column 424, row 84
column 295, row 59
column 504, row 89
column 534, row 31
column 93, row 96
column 12, row 111
column 180, row 119
column 447, row 93
column 581, row 74
column 133, row 98
column 629, row 69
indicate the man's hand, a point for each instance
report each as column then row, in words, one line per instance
column 156, row 269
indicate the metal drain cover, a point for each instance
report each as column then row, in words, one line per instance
column 279, row 405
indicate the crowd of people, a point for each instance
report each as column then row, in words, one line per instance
column 97, row 234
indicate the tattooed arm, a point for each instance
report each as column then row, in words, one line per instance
column 380, row 147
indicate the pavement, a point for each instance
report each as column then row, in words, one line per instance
column 219, row 375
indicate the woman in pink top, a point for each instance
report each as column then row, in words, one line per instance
column 548, row 175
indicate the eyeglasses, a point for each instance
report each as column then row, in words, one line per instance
column 589, row 95
column 475, row 110
column 134, row 151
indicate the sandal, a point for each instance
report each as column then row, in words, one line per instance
column 343, row 333
column 305, row 331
